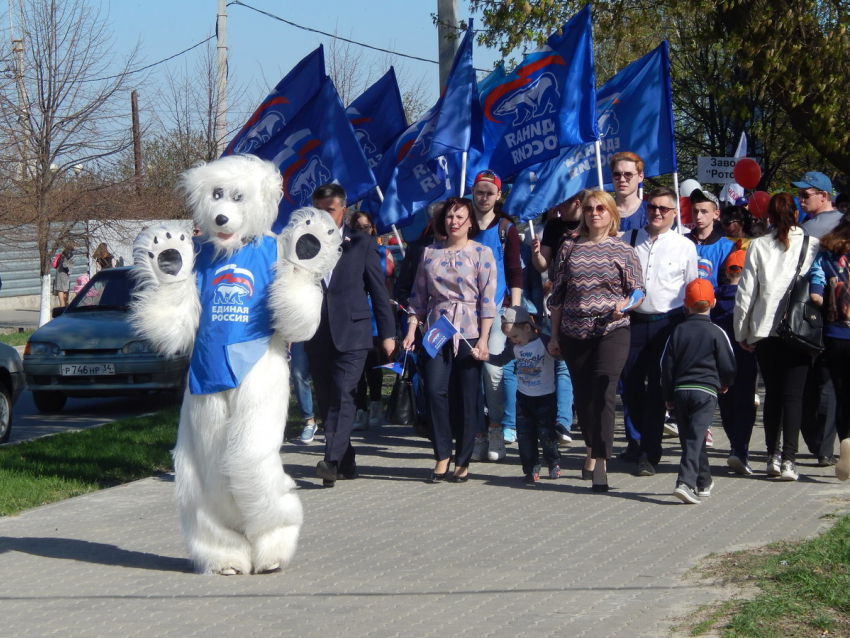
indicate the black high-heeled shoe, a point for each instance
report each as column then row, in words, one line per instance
column 596, row 487
column 437, row 478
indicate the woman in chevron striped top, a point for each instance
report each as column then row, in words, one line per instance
column 597, row 279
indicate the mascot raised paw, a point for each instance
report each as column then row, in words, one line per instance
column 235, row 297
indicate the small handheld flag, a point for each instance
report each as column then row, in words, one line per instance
column 438, row 335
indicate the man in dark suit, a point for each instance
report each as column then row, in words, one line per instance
column 337, row 352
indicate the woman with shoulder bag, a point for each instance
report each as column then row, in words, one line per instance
column 456, row 279
column 769, row 270
column 830, row 286
column 595, row 274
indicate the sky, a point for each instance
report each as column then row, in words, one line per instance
column 262, row 50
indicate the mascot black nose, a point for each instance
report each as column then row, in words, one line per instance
column 307, row 247
column 169, row 261
column 221, row 220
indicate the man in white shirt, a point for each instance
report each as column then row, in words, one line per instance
column 669, row 264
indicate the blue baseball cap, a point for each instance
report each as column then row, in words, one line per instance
column 816, row 180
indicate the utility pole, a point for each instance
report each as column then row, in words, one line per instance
column 137, row 140
column 23, row 98
column 221, row 77
column 447, row 37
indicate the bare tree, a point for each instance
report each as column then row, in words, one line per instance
column 65, row 112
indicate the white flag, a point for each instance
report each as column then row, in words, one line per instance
column 731, row 192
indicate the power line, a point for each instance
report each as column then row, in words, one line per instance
column 337, row 37
column 149, row 66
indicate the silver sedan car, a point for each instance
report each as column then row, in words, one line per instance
column 90, row 350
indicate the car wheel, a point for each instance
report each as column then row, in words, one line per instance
column 48, row 401
column 5, row 414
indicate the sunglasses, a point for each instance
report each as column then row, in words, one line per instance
column 366, row 227
column 589, row 209
column 625, row 176
column 661, row 209
column 729, row 222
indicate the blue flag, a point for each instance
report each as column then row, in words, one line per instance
column 635, row 114
column 281, row 105
column 422, row 169
column 378, row 117
column 315, row 147
column 453, row 120
column 547, row 103
column 438, row 335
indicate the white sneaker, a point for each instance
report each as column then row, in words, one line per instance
column 773, row 465
column 670, row 428
column 361, row 421
column 757, row 400
column 563, row 434
column 789, row 471
column 496, row 444
column 709, row 439
column 479, row 450
column 309, row 432
column 376, row 414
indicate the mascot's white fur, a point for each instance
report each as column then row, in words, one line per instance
column 239, row 513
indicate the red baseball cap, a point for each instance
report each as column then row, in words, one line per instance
column 699, row 295
column 488, row 176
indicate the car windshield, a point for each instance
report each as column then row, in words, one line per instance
column 109, row 289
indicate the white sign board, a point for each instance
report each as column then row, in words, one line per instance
column 716, row 170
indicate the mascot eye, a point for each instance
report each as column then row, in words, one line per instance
column 236, row 197
column 218, row 193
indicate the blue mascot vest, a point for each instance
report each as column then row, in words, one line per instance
column 493, row 241
column 235, row 324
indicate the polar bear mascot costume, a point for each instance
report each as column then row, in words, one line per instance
column 235, row 299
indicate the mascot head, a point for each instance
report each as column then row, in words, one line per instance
column 233, row 199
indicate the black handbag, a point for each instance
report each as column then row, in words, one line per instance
column 800, row 324
column 401, row 408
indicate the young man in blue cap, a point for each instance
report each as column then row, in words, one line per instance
column 814, row 191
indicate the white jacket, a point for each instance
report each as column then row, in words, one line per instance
column 768, row 271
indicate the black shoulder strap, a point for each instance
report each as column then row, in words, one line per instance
column 504, row 224
column 633, row 238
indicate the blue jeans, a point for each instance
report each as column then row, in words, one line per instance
column 564, row 390
column 494, row 387
column 300, row 375
column 510, row 383
column 535, row 425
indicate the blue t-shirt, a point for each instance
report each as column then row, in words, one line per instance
column 235, row 323
column 636, row 220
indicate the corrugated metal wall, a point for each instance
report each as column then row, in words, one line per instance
column 19, row 253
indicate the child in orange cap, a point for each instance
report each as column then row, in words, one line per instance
column 697, row 364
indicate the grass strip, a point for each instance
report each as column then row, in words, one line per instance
column 804, row 589
column 57, row 467
column 16, row 338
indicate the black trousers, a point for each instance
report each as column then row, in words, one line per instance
column 837, row 359
column 737, row 406
column 455, row 401
column 642, row 393
column 371, row 379
column 595, row 365
column 818, row 423
column 784, row 373
column 335, row 376
column 694, row 414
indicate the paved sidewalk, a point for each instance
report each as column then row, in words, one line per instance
column 389, row 555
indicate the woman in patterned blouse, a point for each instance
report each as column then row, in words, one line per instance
column 456, row 278
column 595, row 273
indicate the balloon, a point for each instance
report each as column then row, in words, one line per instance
column 688, row 186
column 758, row 203
column 747, row 173
column 685, row 210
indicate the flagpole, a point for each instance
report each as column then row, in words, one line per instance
column 462, row 173
column 395, row 230
column 678, row 207
column 598, row 146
